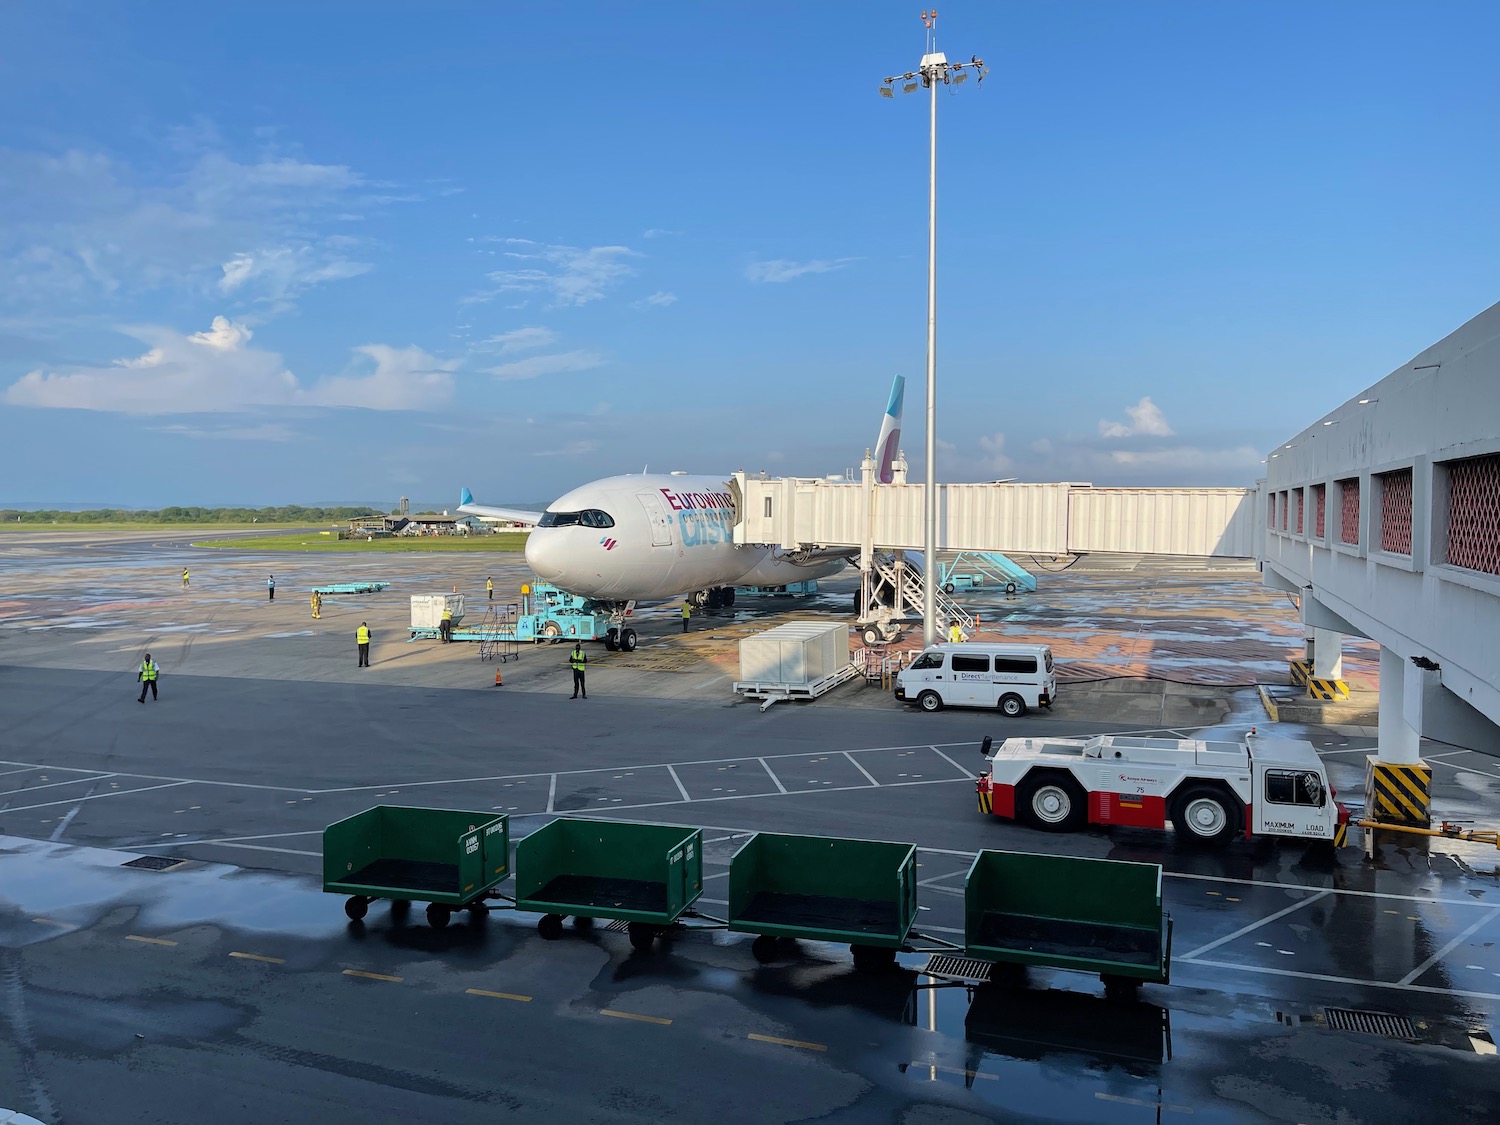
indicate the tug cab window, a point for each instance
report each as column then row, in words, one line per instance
column 1294, row 787
column 589, row 517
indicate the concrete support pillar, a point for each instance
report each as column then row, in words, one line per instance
column 1326, row 650
column 1398, row 784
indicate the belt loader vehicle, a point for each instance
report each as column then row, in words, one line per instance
column 1210, row 791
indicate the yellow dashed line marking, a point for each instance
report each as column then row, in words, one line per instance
column 1216, row 894
column 632, row 1016
column 498, row 995
column 788, row 1042
column 50, row 922
column 258, row 957
column 1228, row 899
column 370, row 976
column 149, row 940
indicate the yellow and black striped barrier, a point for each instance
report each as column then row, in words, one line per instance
column 1327, row 689
column 985, row 801
column 1301, row 671
column 1341, row 834
column 1400, row 794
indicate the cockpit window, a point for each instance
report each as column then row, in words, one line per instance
column 589, row 517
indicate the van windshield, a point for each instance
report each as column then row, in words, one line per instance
column 927, row 660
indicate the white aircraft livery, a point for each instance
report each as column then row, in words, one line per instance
column 657, row 536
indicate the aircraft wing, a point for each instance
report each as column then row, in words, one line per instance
column 466, row 505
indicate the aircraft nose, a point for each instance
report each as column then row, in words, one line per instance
column 546, row 555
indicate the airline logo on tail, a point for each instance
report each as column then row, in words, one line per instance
column 889, row 442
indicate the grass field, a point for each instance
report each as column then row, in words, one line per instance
column 137, row 525
column 405, row 544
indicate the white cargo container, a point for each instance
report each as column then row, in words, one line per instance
column 427, row 609
column 798, row 660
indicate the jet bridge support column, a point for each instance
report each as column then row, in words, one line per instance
column 1398, row 784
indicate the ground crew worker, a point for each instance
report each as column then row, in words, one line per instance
column 489, row 588
column 687, row 612
column 578, row 661
column 147, row 674
column 955, row 634
column 271, row 588
column 445, row 626
column 362, row 639
column 184, row 578
column 317, row 605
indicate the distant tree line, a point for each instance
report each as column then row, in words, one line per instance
column 286, row 513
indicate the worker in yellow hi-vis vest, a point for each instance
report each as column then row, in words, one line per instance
column 317, row 605
column 147, row 674
column 489, row 588
column 362, row 639
column 687, row 614
column 578, row 662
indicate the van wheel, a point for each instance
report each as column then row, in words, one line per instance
column 930, row 701
column 1051, row 801
column 1204, row 815
column 1012, row 706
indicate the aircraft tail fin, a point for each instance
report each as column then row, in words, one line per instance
column 465, row 496
column 887, row 446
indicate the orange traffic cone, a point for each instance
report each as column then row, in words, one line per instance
column 497, row 677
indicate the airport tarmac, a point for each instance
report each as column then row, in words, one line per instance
column 229, row 988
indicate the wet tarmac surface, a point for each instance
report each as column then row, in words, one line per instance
column 229, row 988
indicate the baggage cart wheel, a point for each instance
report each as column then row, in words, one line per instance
column 583, row 924
column 550, row 926
column 763, row 949
column 1010, row 587
column 356, row 907
column 438, row 915
column 642, row 936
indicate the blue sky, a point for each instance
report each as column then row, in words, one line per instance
column 277, row 252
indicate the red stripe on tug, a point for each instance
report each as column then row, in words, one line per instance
column 999, row 800
column 1128, row 810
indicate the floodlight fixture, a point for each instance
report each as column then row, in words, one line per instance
column 910, row 87
column 961, row 77
column 887, row 92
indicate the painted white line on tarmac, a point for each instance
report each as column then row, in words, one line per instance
column 777, row 780
column 966, row 772
column 258, row 848
column 551, row 792
column 850, row 756
column 678, row 782
column 1266, row 970
column 55, row 784
column 1257, row 924
column 1450, row 947
column 95, row 797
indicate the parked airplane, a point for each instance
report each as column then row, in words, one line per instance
column 651, row 537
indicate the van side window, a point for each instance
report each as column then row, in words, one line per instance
column 1015, row 664
column 970, row 663
column 1294, row 787
column 1048, row 658
column 928, row 660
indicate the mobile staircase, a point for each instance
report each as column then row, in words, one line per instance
column 973, row 570
column 891, row 597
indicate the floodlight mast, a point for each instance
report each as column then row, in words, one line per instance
column 935, row 70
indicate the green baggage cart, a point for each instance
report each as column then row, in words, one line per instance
column 821, row 888
column 645, row 875
column 447, row 858
column 1091, row 915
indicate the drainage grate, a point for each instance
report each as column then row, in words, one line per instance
column 963, row 968
column 155, row 863
column 1371, row 1023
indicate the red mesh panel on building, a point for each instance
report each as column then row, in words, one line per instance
column 1474, row 513
column 1395, row 512
column 1320, row 505
column 1349, row 511
column 1283, row 511
column 1271, row 510
column 1298, row 495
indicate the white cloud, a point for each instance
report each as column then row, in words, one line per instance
column 572, row 276
column 81, row 225
column 268, row 431
column 658, row 232
column 782, row 269
column 533, row 366
column 1145, row 418
column 521, row 339
column 993, row 458
column 1189, row 457
column 217, row 371
column 659, row 300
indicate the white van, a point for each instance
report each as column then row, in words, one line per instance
column 1011, row 677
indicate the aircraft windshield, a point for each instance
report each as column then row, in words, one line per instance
column 589, row 517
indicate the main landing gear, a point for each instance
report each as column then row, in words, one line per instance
column 715, row 597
